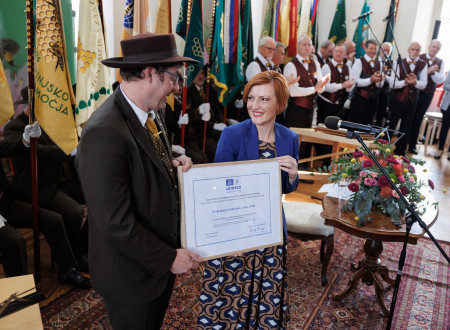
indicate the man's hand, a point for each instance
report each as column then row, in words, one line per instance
column 204, row 108
column 185, row 261
column 348, row 83
column 178, row 149
column 182, row 160
column 411, row 79
column 432, row 69
column 219, row 126
column 33, row 131
column 291, row 79
column 239, row 104
column 322, row 82
column 376, row 78
column 183, row 120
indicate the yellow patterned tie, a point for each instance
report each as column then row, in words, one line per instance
column 159, row 146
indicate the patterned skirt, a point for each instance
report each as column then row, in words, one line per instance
column 247, row 292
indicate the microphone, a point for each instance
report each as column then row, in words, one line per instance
column 388, row 16
column 362, row 16
column 348, row 102
column 333, row 122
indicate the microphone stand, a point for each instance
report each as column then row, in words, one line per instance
column 410, row 219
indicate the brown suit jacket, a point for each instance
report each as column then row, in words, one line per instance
column 132, row 205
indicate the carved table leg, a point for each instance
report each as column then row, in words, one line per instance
column 368, row 271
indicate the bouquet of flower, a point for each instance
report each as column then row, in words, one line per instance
column 370, row 188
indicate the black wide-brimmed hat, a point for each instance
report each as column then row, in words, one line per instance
column 148, row 49
column 24, row 99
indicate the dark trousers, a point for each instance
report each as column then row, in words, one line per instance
column 20, row 215
column 300, row 117
column 149, row 316
column 324, row 110
column 381, row 109
column 13, row 249
column 422, row 105
column 362, row 110
column 444, row 128
column 404, row 112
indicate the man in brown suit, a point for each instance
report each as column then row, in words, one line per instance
column 127, row 174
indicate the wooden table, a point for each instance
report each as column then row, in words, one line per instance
column 27, row 318
column 380, row 230
column 336, row 141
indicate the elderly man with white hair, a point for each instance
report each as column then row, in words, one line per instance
column 263, row 60
column 413, row 77
column 436, row 76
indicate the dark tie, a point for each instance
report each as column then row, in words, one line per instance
column 306, row 61
column 159, row 147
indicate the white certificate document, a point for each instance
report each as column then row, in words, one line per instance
column 228, row 208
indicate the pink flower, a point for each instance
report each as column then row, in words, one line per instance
column 354, row 187
column 394, row 194
column 405, row 159
column 411, row 179
column 381, row 141
column 411, row 169
column 376, row 152
column 370, row 182
column 368, row 163
column 401, row 178
column 383, row 182
column 373, row 175
column 392, row 160
column 431, row 184
column 363, row 174
column 357, row 154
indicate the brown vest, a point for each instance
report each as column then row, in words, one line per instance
column 431, row 85
column 337, row 78
column 307, row 79
column 321, row 61
column 408, row 94
column 262, row 66
column 366, row 72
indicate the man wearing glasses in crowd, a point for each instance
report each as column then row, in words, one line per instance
column 263, row 60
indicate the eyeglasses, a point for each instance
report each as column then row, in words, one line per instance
column 271, row 49
column 174, row 77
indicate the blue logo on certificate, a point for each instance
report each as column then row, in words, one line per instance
column 233, row 184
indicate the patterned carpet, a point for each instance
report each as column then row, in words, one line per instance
column 423, row 301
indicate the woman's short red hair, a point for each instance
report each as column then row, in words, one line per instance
column 278, row 82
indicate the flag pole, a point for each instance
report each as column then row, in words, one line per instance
column 33, row 158
column 208, row 74
column 184, row 100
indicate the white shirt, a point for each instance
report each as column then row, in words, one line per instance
column 295, row 90
column 140, row 114
column 253, row 68
column 422, row 79
column 437, row 77
column 357, row 70
column 334, row 87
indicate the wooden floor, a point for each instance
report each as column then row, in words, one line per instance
column 437, row 170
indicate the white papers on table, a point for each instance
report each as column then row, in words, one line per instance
column 334, row 190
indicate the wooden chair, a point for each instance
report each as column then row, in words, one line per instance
column 305, row 223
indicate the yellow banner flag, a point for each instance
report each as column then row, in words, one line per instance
column 93, row 85
column 6, row 104
column 163, row 20
column 53, row 93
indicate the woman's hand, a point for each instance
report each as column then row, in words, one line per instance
column 289, row 165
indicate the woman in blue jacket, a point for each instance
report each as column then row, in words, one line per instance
column 249, row 291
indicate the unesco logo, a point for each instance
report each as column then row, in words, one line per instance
column 233, row 184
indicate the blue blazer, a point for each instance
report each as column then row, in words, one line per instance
column 240, row 142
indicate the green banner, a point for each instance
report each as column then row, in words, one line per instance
column 338, row 31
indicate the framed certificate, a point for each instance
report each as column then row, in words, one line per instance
column 229, row 208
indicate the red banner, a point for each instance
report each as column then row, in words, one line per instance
column 292, row 51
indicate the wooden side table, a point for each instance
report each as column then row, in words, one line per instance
column 369, row 270
column 28, row 318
